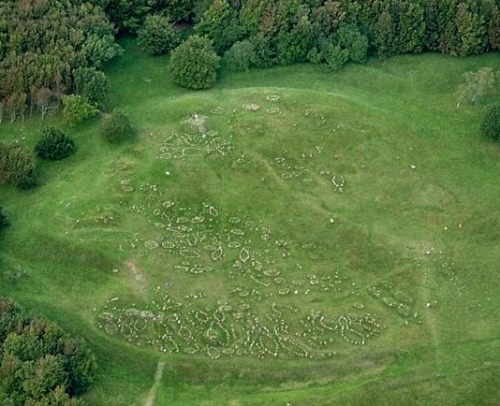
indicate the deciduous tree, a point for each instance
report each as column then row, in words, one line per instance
column 157, row 36
column 194, row 63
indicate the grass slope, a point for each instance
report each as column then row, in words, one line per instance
column 398, row 253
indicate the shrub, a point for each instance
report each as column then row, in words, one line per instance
column 4, row 221
column 490, row 124
column 355, row 42
column 17, row 165
column 54, row 145
column 265, row 55
column 194, row 63
column 240, row 56
column 334, row 55
column 77, row 108
column 116, row 128
column 157, row 36
column 314, row 56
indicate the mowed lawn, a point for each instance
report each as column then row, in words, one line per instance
column 291, row 236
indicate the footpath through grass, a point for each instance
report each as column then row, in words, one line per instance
column 290, row 236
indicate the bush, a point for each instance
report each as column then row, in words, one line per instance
column 355, row 42
column 77, row 108
column 4, row 221
column 116, row 128
column 334, row 55
column 194, row 64
column 54, row 145
column 240, row 56
column 17, row 165
column 490, row 125
column 157, row 36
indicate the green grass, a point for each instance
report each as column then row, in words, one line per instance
column 407, row 250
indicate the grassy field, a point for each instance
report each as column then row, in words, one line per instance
column 292, row 236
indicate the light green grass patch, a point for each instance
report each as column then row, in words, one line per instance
column 291, row 235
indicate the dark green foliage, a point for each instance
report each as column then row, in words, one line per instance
column 45, row 42
column 292, row 31
column 240, row 56
column 129, row 15
column 17, row 165
column 194, row 63
column 383, row 32
column 334, row 55
column 220, row 24
column 4, row 221
column 490, row 124
column 471, row 30
column 116, row 128
column 91, row 84
column 157, row 36
column 410, row 27
column 293, row 45
column 54, row 145
column 265, row 54
column 494, row 28
column 354, row 42
column 39, row 363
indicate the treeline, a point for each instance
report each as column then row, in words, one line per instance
column 292, row 31
column 49, row 49
column 39, row 363
column 286, row 31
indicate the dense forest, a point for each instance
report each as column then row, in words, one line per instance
column 39, row 363
column 49, row 49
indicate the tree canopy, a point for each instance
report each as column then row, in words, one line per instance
column 194, row 63
column 43, row 44
column 39, row 363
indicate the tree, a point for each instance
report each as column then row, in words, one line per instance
column 476, row 86
column 77, row 108
column 41, row 98
column 43, row 375
column 91, row 84
column 354, row 42
column 472, row 31
column 17, row 165
column 293, row 45
column 129, row 15
column 384, row 34
column 15, row 105
column 490, row 124
column 157, row 36
column 54, row 145
column 194, row 63
column 494, row 28
column 220, row 23
column 116, row 128
column 40, row 365
column 240, row 56
column 410, row 27
column 42, row 43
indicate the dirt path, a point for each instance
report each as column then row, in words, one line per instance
column 150, row 400
column 137, row 275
